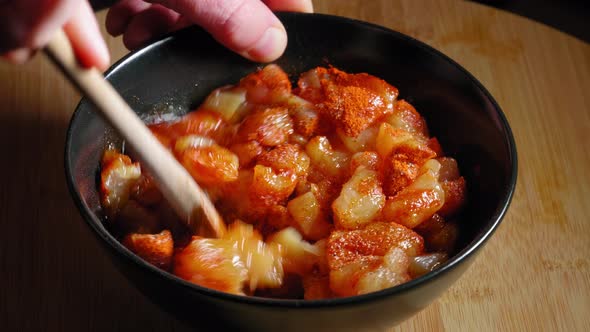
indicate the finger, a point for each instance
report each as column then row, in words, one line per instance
column 58, row 12
column 182, row 23
column 120, row 15
column 302, row 6
column 247, row 27
column 150, row 23
column 18, row 56
column 87, row 42
column 30, row 23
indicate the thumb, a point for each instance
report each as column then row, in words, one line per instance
column 247, row 27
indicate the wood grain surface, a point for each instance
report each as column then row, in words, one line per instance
column 533, row 275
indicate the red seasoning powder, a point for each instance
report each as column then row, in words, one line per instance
column 353, row 101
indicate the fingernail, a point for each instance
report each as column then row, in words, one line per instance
column 270, row 46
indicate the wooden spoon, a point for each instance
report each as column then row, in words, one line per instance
column 178, row 187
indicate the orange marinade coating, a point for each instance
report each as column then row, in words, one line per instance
column 399, row 173
column 352, row 101
column 402, row 167
column 202, row 123
column 156, row 249
column 267, row 85
column 376, row 239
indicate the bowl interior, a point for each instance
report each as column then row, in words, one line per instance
column 176, row 73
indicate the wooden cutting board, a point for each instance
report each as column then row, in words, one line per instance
column 533, row 275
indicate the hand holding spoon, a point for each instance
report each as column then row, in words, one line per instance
column 178, row 187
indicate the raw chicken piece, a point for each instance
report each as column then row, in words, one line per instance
column 156, row 249
column 118, row 175
column 360, row 200
column 419, row 201
column 268, row 126
column 367, row 259
column 212, row 263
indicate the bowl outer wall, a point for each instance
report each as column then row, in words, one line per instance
column 177, row 72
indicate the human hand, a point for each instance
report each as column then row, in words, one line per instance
column 27, row 25
column 247, row 27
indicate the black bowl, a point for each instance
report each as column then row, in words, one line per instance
column 180, row 70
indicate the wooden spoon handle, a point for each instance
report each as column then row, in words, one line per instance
column 179, row 188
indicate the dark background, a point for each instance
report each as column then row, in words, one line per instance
column 569, row 16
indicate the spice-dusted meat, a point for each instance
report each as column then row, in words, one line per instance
column 118, row 176
column 156, row 249
column 268, row 126
column 332, row 189
column 357, row 258
column 351, row 101
column 210, row 165
column 406, row 117
column 203, row 123
column 418, row 201
column 268, row 86
column 360, row 200
column 212, row 263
